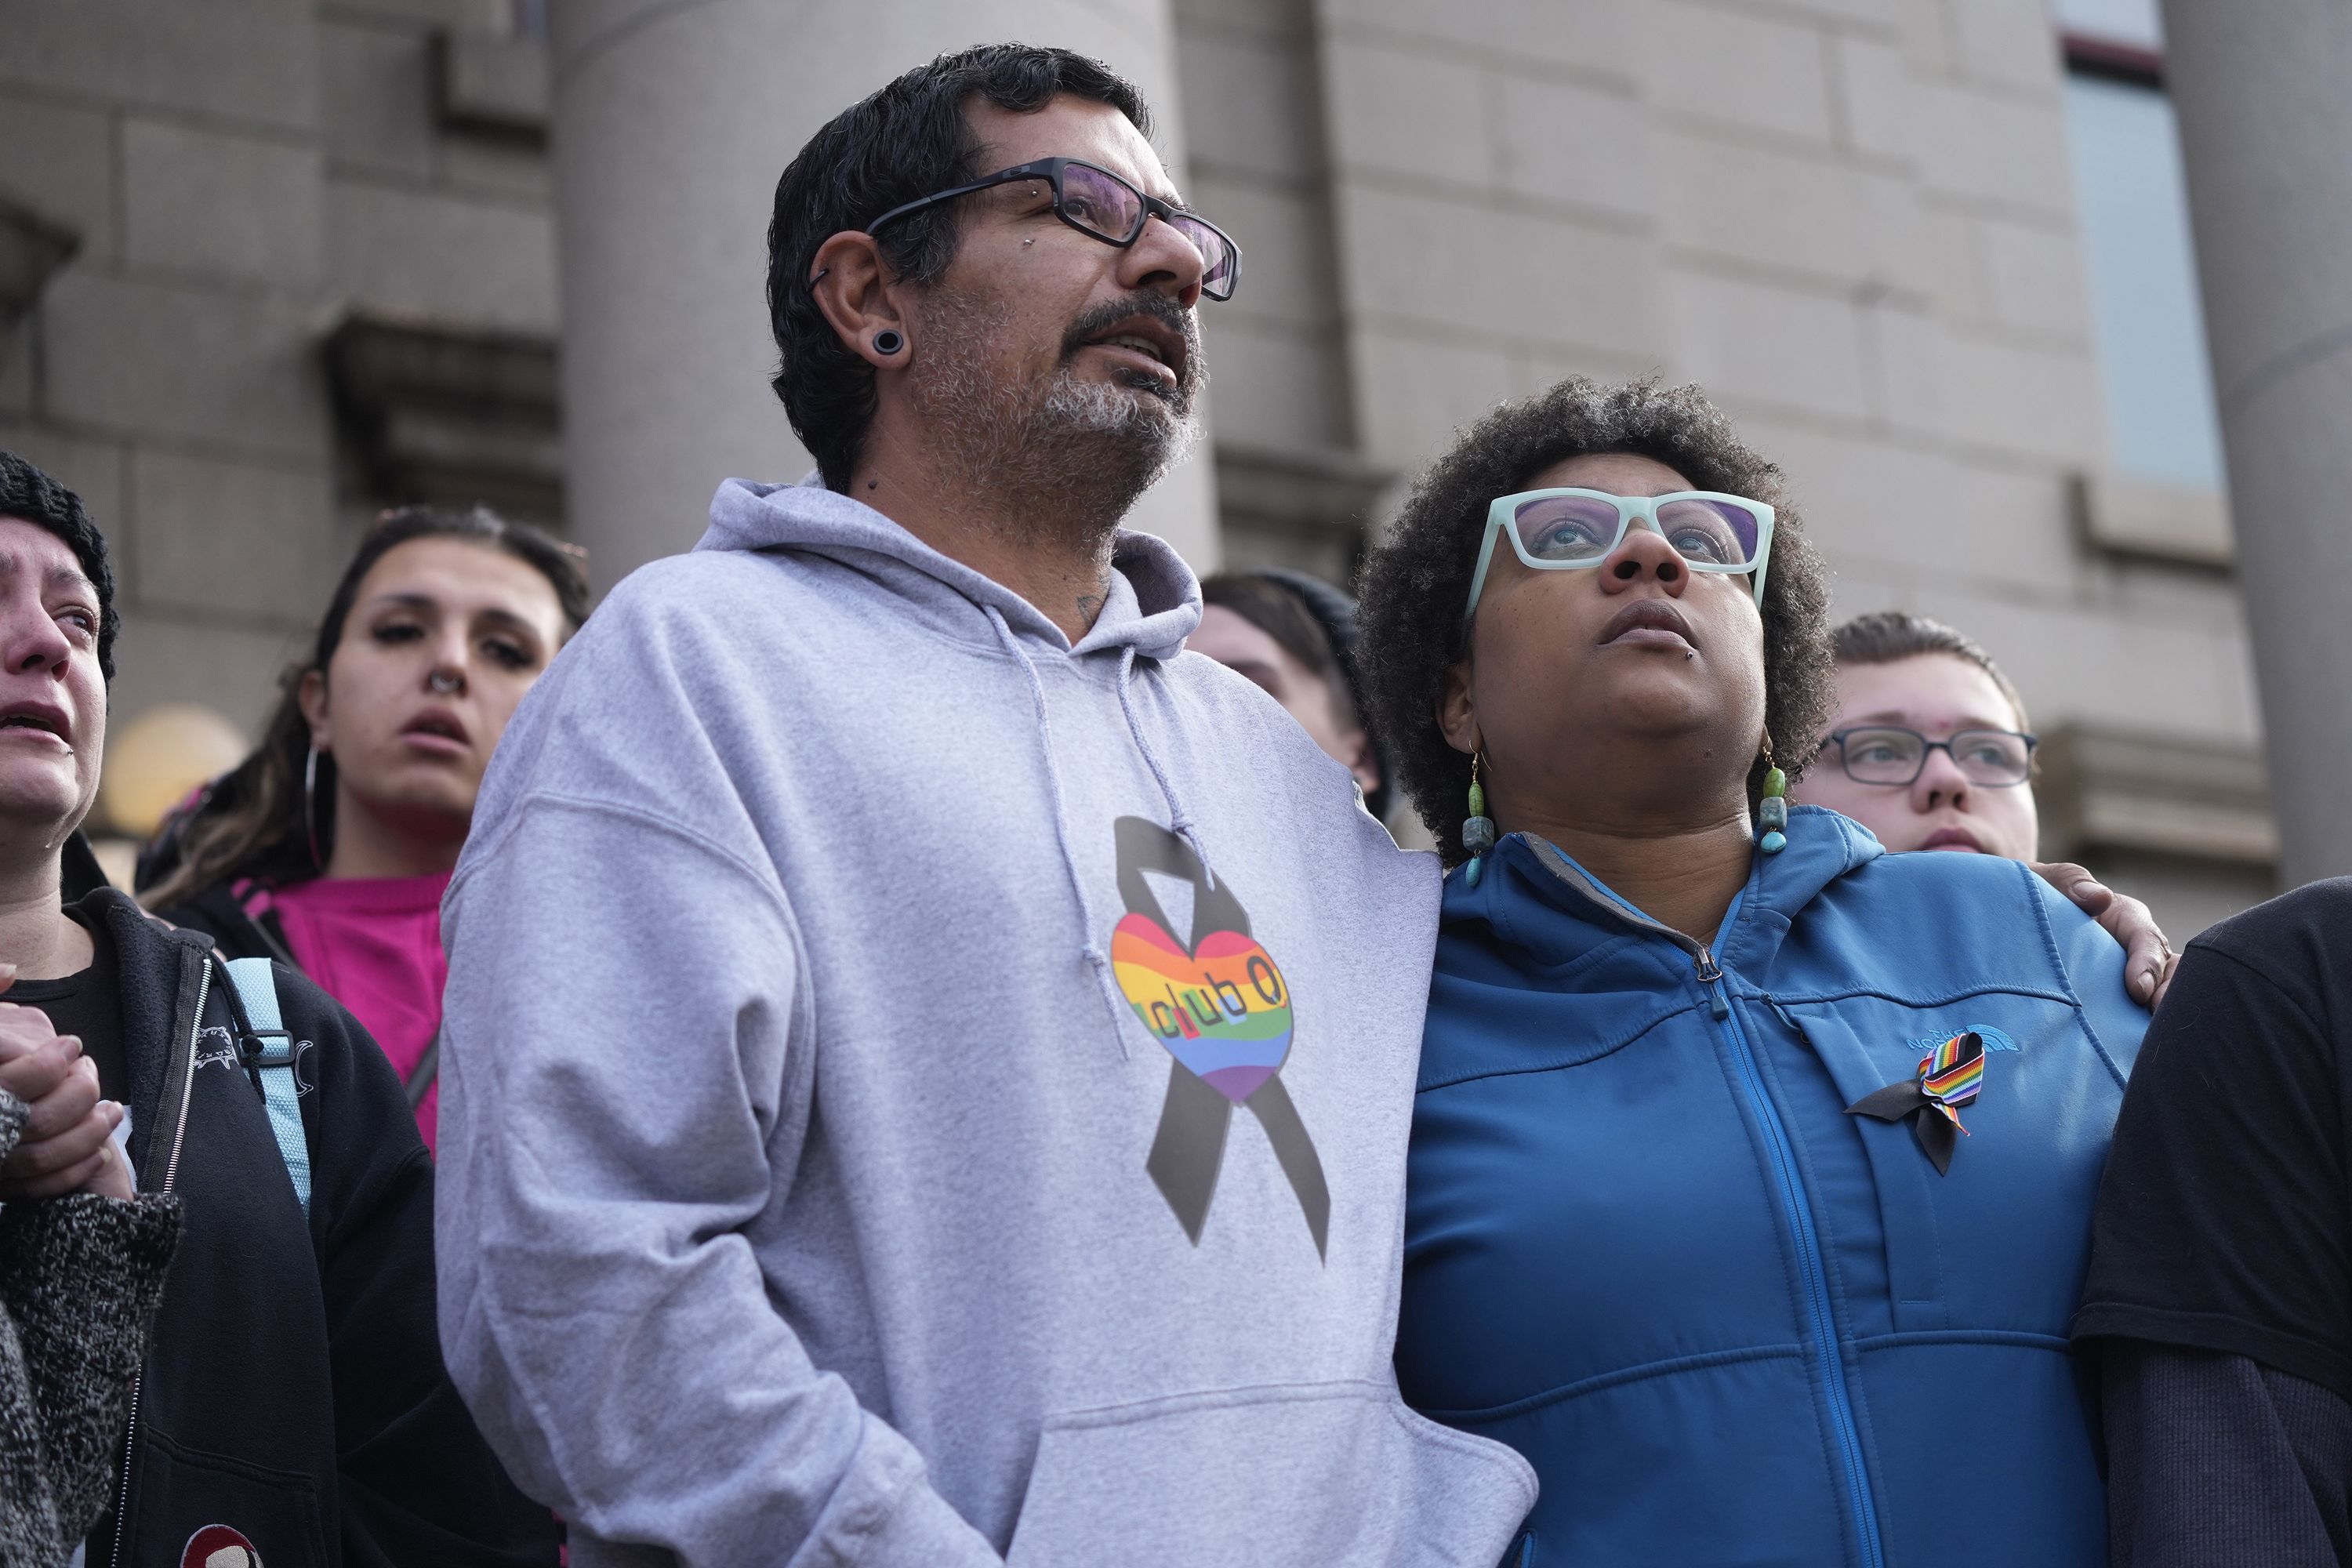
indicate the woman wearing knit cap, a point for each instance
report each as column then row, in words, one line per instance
column 293, row 1402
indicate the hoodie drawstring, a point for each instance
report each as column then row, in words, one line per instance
column 1088, row 947
column 1180, row 821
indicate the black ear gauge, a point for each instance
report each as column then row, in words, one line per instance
column 889, row 341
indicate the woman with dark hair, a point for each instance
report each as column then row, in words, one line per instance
column 1295, row 637
column 1751, row 1168
column 287, row 1398
column 328, row 849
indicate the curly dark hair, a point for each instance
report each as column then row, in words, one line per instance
column 1414, row 583
column 907, row 140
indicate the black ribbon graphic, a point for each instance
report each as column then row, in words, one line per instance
column 1189, row 1150
column 1930, row 1108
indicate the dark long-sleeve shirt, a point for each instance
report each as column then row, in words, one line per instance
column 2218, row 1305
column 2214, row 1459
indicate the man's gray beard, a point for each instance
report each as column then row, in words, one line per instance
column 1078, row 456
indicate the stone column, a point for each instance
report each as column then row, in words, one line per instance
column 2266, row 135
column 671, row 124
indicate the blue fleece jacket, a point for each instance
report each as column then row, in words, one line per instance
column 1730, row 1322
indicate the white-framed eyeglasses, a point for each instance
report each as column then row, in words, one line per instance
column 1565, row 530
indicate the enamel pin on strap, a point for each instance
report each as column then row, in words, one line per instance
column 1950, row 1078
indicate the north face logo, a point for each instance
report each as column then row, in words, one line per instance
column 218, row 1546
column 1994, row 1041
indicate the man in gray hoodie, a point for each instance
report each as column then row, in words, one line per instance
column 928, row 1062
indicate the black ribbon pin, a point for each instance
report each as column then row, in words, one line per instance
column 1949, row 1078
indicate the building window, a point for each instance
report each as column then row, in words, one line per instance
column 2134, row 210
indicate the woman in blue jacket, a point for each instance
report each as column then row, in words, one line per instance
column 1751, row 1168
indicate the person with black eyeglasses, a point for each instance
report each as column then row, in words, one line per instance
column 1931, row 749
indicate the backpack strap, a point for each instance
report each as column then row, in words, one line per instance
column 428, row 1068
column 273, row 1061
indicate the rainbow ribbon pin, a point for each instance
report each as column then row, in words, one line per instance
column 1949, row 1077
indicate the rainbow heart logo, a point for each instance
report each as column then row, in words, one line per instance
column 1222, row 1009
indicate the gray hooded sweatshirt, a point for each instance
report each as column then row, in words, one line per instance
column 918, row 1093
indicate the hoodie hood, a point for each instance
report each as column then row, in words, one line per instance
column 1153, row 604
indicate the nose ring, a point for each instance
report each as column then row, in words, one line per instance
column 446, row 682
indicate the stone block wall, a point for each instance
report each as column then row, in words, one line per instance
column 1852, row 220
column 239, row 174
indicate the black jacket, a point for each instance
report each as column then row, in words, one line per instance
column 216, row 911
column 294, row 1390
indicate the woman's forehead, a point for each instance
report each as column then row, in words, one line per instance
column 462, row 575
column 1619, row 473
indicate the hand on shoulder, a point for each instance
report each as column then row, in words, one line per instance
column 2148, row 957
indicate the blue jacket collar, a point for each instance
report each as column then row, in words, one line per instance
column 1536, row 899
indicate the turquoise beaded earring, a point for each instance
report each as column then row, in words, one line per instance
column 1772, row 810
column 1478, row 833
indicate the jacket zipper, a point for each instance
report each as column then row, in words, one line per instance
column 1799, row 1208
column 171, row 1173
column 1795, row 1202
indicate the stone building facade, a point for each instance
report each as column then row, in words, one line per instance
column 302, row 257
column 242, row 181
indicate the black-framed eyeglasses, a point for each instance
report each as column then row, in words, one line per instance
column 1101, row 205
column 1891, row 754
